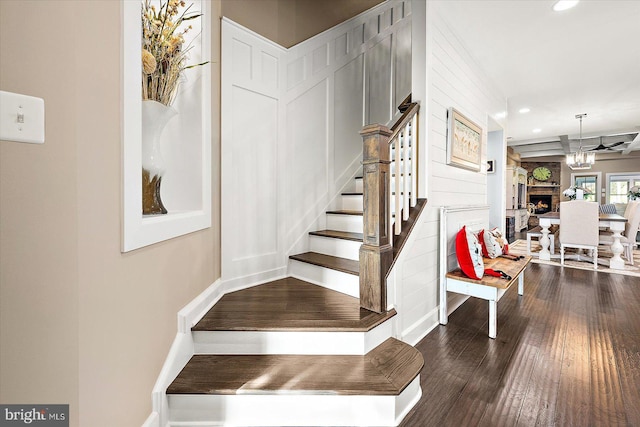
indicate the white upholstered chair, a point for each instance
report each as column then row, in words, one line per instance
column 630, row 209
column 579, row 227
column 628, row 239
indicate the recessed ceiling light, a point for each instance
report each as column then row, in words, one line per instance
column 537, row 130
column 561, row 5
column 501, row 115
column 524, row 110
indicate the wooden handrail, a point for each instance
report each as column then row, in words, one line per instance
column 379, row 214
column 406, row 116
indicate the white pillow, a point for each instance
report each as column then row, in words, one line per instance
column 493, row 244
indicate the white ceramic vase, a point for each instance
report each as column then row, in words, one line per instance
column 155, row 117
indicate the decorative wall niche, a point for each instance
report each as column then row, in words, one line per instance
column 185, row 143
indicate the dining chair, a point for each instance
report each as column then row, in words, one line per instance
column 579, row 227
column 631, row 207
column 628, row 238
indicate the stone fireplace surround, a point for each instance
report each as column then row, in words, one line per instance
column 550, row 187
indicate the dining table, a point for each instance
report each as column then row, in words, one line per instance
column 614, row 222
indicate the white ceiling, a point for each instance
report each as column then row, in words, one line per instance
column 558, row 64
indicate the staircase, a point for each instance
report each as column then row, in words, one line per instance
column 301, row 351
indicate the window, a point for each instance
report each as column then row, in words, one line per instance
column 619, row 186
column 590, row 182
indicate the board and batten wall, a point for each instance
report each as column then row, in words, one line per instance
column 290, row 123
column 450, row 79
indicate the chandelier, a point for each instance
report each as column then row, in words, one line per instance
column 580, row 160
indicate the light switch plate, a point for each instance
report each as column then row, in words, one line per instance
column 21, row 118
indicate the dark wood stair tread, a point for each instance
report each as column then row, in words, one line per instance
column 385, row 370
column 336, row 234
column 353, row 193
column 289, row 304
column 344, row 265
column 345, row 212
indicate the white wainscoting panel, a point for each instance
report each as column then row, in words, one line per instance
column 290, row 129
column 348, row 112
column 254, row 174
column 378, row 83
column 402, row 65
column 251, row 111
column 307, row 163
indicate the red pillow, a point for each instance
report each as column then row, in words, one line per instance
column 469, row 254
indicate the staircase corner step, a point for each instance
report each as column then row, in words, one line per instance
column 386, row 370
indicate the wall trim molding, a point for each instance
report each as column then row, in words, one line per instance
column 181, row 349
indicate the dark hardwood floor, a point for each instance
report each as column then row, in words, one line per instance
column 567, row 354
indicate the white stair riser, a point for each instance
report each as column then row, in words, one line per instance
column 289, row 409
column 352, row 223
column 332, row 279
column 359, row 185
column 351, row 202
column 290, row 342
column 336, row 247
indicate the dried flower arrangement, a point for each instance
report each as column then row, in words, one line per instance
column 164, row 55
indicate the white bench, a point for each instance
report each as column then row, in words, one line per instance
column 489, row 288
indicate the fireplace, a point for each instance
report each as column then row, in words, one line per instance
column 541, row 203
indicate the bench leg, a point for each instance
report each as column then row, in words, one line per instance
column 493, row 318
column 444, row 316
column 528, row 244
column 521, row 283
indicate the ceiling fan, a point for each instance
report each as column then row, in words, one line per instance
column 607, row 147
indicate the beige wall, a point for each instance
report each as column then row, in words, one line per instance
column 288, row 22
column 80, row 322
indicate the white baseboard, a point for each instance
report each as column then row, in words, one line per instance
column 191, row 313
column 182, row 347
column 427, row 323
column 239, row 283
column 414, row 333
column 152, row 420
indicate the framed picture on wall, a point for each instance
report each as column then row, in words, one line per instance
column 464, row 141
column 491, row 166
